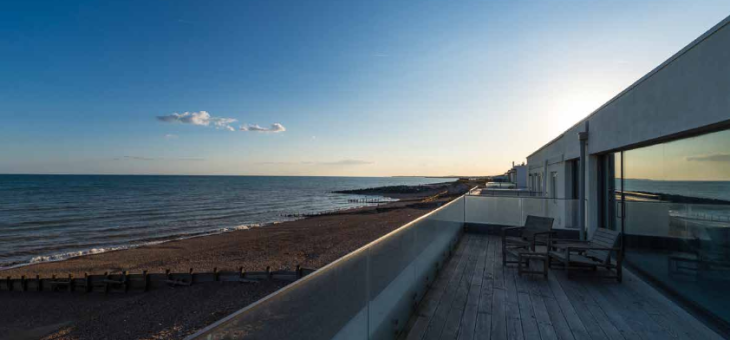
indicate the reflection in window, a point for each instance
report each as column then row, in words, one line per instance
column 676, row 215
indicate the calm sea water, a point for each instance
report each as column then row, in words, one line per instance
column 703, row 189
column 46, row 218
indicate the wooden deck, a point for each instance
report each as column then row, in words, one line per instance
column 475, row 297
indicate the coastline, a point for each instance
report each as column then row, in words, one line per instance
column 173, row 313
column 198, row 252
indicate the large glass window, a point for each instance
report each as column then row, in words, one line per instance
column 673, row 202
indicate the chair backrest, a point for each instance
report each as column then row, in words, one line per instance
column 536, row 224
column 603, row 238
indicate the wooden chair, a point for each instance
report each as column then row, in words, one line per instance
column 537, row 230
column 576, row 254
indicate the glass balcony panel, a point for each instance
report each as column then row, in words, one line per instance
column 367, row 294
column 686, row 247
column 513, row 211
column 504, row 211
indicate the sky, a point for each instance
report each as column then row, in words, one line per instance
column 347, row 88
column 701, row 158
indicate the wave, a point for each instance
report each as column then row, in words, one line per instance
column 93, row 251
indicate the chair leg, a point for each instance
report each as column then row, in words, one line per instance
column 504, row 255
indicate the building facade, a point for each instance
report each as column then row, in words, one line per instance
column 518, row 175
column 654, row 162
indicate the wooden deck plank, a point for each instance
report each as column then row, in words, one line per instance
column 530, row 329
column 483, row 326
column 485, row 297
column 428, row 304
column 498, row 268
column 560, row 322
column 499, row 315
column 578, row 300
column 469, row 319
column 544, row 324
column 458, row 306
column 433, row 296
column 438, row 319
column 670, row 309
column 665, row 314
column 574, row 322
column 625, row 321
column 418, row 329
column 615, row 317
column 475, row 297
column 603, row 321
column 636, row 315
column 514, row 322
column 484, row 309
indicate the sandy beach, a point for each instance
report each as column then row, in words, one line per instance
column 173, row 313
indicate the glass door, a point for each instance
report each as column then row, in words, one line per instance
column 613, row 193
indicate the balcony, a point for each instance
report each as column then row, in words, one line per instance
column 430, row 279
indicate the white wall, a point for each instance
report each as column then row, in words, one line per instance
column 691, row 90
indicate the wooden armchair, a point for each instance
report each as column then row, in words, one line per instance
column 575, row 254
column 537, row 230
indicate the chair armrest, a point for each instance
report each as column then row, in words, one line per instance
column 551, row 232
column 567, row 240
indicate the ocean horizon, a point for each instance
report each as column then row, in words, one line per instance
column 56, row 217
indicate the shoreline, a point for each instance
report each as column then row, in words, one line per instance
column 384, row 192
column 311, row 242
column 91, row 252
column 133, row 258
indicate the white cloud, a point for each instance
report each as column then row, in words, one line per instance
column 718, row 157
column 170, row 136
column 276, row 127
column 346, row 162
column 152, row 159
column 202, row 118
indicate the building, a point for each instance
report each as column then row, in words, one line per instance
column 654, row 162
column 518, row 175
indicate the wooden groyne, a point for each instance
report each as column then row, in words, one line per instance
column 368, row 201
column 142, row 282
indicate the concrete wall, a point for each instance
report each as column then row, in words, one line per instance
column 685, row 94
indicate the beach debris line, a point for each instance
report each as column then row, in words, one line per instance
column 125, row 282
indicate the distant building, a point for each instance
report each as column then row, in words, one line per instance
column 518, row 175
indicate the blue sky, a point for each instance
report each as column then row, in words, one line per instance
column 360, row 87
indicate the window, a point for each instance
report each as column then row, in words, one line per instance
column 574, row 179
column 672, row 201
column 553, row 184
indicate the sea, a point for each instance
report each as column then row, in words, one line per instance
column 719, row 190
column 55, row 217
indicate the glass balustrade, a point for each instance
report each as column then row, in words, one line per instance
column 368, row 294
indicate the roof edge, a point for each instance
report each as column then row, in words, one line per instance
column 651, row 73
